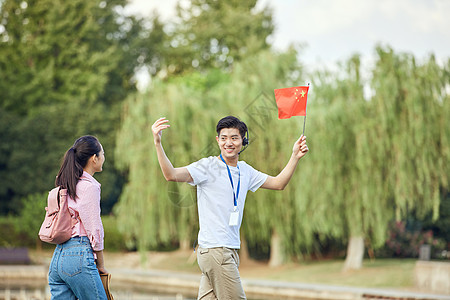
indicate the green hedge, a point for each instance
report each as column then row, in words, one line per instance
column 114, row 240
column 13, row 235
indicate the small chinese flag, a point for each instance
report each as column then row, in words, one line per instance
column 291, row 101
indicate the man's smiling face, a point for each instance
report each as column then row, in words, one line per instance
column 230, row 142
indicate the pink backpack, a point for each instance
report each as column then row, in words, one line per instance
column 58, row 222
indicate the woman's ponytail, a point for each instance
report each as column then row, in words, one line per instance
column 75, row 159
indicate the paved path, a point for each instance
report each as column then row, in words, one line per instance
column 156, row 281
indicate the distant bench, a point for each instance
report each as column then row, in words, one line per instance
column 14, row 256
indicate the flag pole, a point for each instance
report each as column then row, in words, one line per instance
column 304, row 122
column 304, row 119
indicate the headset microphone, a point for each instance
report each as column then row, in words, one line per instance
column 245, row 142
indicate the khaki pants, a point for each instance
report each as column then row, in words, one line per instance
column 220, row 275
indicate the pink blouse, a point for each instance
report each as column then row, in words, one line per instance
column 87, row 208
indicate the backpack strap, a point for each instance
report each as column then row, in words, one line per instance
column 53, row 201
column 63, row 193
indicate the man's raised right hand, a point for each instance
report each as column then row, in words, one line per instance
column 157, row 129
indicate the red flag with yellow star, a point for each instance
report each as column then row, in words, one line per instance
column 291, row 101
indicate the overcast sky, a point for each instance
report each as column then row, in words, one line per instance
column 333, row 30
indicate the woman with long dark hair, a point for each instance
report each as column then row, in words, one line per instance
column 76, row 265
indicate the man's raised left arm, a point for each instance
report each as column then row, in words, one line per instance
column 280, row 181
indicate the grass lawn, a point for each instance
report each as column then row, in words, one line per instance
column 379, row 273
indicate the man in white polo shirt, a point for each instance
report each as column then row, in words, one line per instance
column 222, row 185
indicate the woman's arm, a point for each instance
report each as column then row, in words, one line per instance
column 100, row 262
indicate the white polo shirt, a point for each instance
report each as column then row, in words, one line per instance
column 215, row 199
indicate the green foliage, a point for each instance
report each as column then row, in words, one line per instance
column 48, row 59
column 355, row 180
column 7, row 135
column 61, row 77
column 9, row 236
column 373, row 157
column 22, row 231
column 155, row 212
column 382, row 157
column 215, row 34
column 404, row 240
column 114, row 240
column 32, row 214
column 441, row 226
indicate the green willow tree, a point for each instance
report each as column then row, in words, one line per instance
column 382, row 156
column 152, row 211
column 269, row 218
column 350, row 185
column 158, row 213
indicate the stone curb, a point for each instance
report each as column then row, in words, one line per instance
column 187, row 284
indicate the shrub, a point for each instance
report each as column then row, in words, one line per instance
column 32, row 215
column 114, row 240
column 404, row 241
column 8, row 238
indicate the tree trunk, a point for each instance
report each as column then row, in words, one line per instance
column 244, row 256
column 38, row 245
column 276, row 252
column 185, row 244
column 355, row 253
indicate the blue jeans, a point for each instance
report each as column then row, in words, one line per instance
column 73, row 273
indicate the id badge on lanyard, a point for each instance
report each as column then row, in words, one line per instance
column 234, row 215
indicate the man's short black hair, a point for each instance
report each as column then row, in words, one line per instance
column 231, row 122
